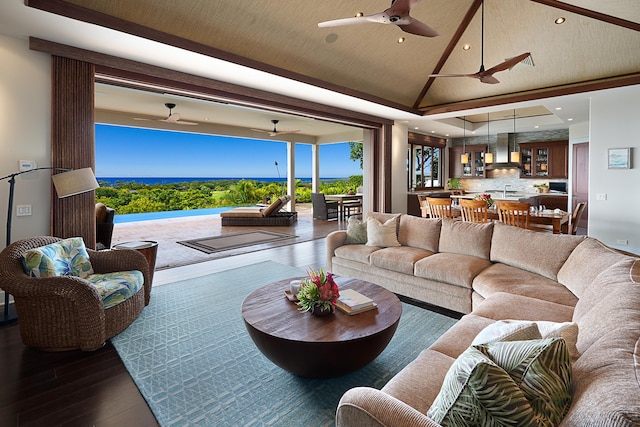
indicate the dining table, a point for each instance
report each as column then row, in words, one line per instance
column 342, row 198
column 542, row 217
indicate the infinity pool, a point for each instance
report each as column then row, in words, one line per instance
column 119, row 219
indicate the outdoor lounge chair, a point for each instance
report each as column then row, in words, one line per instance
column 258, row 216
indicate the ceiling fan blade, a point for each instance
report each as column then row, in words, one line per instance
column 283, row 132
column 507, row 64
column 262, row 130
column 418, row 28
column 488, row 79
column 453, row 75
column 175, row 119
column 346, row 21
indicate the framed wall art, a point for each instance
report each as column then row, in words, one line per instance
column 619, row 158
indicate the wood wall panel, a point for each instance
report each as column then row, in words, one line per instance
column 72, row 144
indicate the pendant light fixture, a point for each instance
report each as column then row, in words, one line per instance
column 515, row 155
column 464, row 157
column 488, row 157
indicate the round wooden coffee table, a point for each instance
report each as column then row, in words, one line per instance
column 320, row 347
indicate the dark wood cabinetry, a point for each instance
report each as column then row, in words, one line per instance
column 544, row 159
column 474, row 168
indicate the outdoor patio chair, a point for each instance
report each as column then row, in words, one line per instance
column 324, row 209
column 258, row 216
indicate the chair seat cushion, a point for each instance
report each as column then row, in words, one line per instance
column 117, row 287
column 67, row 257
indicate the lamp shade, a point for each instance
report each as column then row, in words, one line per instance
column 488, row 158
column 464, row 158
column 74, row 182
column 515, row 156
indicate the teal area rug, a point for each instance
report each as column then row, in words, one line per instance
column 193, row 361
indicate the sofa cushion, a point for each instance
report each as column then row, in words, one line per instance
column 524, row 383
column 466, row 238
column 503, row 305
column 451, row 268
column 66, row 257
column 117, row 287
column 587, row 260
column 401, row 259
column 504, row 278
column 382, row 216
column 356, row 232
column 359, row 253
column 423, row 233
column 382, row 235
column 506, row 330
column 519, row 330
column 541, row 253
column 612, row 302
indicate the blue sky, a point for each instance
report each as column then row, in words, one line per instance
column 135, row 152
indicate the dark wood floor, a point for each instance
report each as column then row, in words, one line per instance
column 93, row 388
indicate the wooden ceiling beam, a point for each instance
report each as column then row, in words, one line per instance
column 590, row 14
column 449, row 50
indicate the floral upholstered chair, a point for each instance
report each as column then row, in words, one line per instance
column 70, row 297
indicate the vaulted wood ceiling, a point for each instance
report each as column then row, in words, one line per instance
column 597, row 47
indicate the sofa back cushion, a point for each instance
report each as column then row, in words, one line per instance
column 540, row 253
column 466, row 238
column 587, row 260
column 607, row 373
column 417, row 232
column 66, row 257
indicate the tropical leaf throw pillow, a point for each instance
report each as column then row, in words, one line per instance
column 518, row 383
column 67, row 257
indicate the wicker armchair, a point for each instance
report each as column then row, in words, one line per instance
column 65, row 313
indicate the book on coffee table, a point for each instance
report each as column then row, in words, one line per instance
column 350, row 312
column 352, row 302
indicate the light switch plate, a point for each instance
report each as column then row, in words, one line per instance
column 601, row 196
column 23, row 210
column 27, row 165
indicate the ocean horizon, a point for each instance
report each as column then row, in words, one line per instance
column 175, row 180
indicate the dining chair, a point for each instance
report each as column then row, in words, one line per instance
column 439, row 207
column 424, row 208
column 474, row 210
column 324, row 209
column 514, row 213
column 572, row 227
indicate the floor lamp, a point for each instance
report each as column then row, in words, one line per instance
column 68, row 183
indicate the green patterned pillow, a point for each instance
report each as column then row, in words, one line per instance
column 356, row 232
column 519, row 383
column 67, row 257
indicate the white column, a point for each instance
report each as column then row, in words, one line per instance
column 315, row 168
column 291, row 174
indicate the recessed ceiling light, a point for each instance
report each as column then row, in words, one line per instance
column 558, row 108
column 446, row 134
column 466, row 46
column 359, row 14
column 560, row 20
column 401, row 40
column 536, row 126
column 433, row 131
column 569, row 120
column 416, row 128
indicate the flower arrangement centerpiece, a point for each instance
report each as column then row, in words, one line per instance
column 486, row 197
column 318, row 293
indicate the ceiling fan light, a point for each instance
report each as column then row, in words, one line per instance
column 560, row 20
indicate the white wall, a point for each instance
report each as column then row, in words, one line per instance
column 578, row 133
column 25, row 102
column 399, row 184
column 613, row 124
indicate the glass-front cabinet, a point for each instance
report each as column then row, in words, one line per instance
column 474, row 168
column 544, row 159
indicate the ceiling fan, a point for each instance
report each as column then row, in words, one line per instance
column 397, row 14
column 486, row 76
column 275, row 131
column 173, row 118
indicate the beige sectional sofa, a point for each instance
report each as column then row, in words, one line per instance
column 493, row 272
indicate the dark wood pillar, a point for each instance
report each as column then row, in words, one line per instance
column 72, row 144
column 382, row 169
